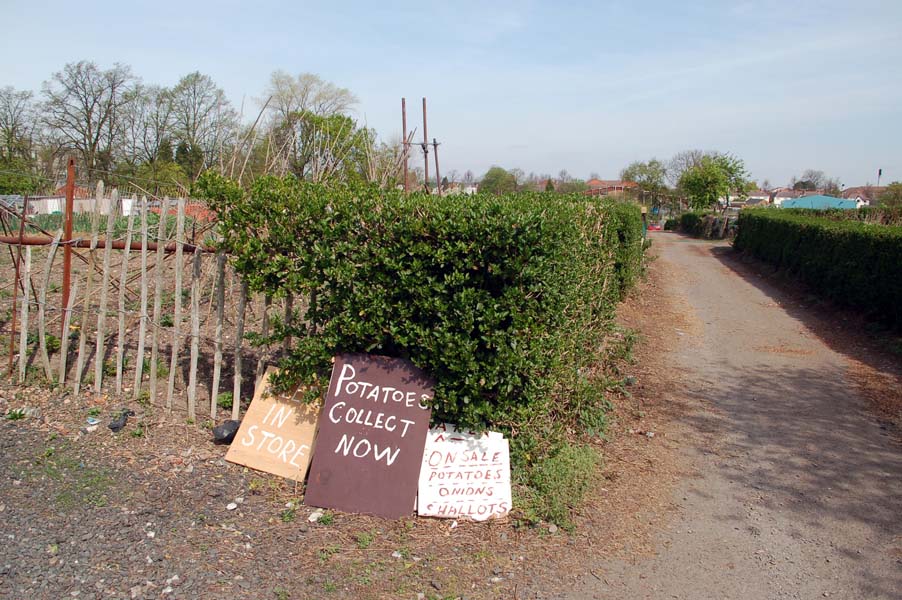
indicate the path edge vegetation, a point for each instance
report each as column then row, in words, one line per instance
column 506, row 300
column 851, row 258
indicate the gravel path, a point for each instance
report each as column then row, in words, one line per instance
column 797, row 491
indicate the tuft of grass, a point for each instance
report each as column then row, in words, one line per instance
column 224, row 400
column 327, row 519
column 328, row 552
column 138, row 431
column 15, row 414
column 558, row 482
column 365, row 539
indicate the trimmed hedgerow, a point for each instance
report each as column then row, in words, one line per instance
column 850, row 262
column 878, row 215
column 505, row 300
column 693, row 223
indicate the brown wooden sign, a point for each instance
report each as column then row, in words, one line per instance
column 371, row 437
column 276, row 434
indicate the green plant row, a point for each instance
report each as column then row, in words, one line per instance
column 850, row 262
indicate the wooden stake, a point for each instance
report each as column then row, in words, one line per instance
column 64, row 342
column 42, row 301
column 142, row 326
column 195, row 335
column 177, row 317
column 81, row 361
column 23, row 332
column 157, row 298
column 264, row 331
column 239, row 337
column 123, row 277
column 105, row 282
column 217, row 344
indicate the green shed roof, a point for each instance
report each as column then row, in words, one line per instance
column 819, row 202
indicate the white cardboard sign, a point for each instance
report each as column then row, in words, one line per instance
column 464, row 475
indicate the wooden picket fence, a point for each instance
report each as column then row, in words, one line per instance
column 132, row 312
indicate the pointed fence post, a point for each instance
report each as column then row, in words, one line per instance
column 177, row 316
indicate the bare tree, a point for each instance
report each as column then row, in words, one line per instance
column 682, row 162
column 149, row 124
column 84, row 105
column 204, row 119
column 519, row 175
column 306, row 92
column 17, row 123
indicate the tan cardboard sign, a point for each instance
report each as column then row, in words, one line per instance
column 276, row 434
column 371, row 436
column 464, row 475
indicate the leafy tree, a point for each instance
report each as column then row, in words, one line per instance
column 549, row 185
column 15, row 176
column 497, row 181
column 891, row 197
column 17, row 123
column 650, row 176
column 324, row 148
column 189, row 157
column 714, row 177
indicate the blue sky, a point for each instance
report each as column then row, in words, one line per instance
column 542, row 86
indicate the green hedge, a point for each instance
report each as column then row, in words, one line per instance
column 496, row 296
column 868, row 214
column 693, row 223
column 851, row 262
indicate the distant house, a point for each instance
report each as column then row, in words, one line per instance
column 864, row 195
column 753, row 198
column 819, row 202
column 781, row 195
column 603, row 187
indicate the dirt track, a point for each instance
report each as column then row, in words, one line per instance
column 796, row 489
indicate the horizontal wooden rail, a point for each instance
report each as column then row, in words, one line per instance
column 40, row 240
